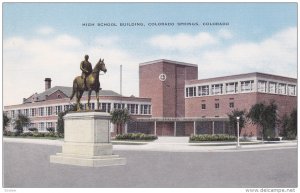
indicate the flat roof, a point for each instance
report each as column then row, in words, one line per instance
column 168, row 61
column 245, row 75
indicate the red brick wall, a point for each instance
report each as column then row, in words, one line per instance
column 165, row 128
column 167, row 96
column 151, row 87
column 241, row 101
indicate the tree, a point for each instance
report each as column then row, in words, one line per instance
column 20, row 122
column 60, row 120
column 289, row 125
column 120, row 117
column 264, row 116
column 233, row 121
column 6, row 121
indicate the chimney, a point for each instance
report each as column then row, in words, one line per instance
column 47, row 83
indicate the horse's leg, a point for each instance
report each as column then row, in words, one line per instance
column 80, row 95
column 89, row 98
column 78, row 100
column 97, row 96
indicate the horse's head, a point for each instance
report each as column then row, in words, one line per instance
column 100, row 66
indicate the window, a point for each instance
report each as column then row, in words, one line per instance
column 132, row 108
column 119, row 106
column 145, row 109
column 281, row 88
column 262, row 86
column 12, row 113
column 191, row 91
column 217, row 105
column 272, row 87
column 48, row 111
column 108, row 107
column 231, row 87
column 292, row 90
column 231, row 105
column 203, row 90
column 26, row 112
column 247, row 85
column 58, row 109
column 41, row 126
column 41, row 111
column 49, row 124
column 32, row 112
column 203, row 106
column 216, row 89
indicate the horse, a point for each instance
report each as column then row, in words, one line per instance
column 92, row 83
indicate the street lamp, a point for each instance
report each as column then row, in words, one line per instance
column 238, row 132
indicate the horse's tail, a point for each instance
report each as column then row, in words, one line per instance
column 74, row 88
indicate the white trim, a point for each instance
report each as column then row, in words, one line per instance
column 168, row 61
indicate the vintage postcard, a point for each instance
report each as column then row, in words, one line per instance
column 150, row 95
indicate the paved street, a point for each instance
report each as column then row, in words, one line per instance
column 27, row 165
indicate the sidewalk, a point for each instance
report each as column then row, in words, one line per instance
column 168, row 144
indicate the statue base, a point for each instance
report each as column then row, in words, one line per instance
column 87, row 141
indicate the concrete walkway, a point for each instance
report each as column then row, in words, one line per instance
column 175, row 144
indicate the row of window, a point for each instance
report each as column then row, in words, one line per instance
column 245, row 86
column 276, row 88
column 217, row 105
column 54, row 110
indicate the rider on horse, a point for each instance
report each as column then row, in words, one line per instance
column 86, row 68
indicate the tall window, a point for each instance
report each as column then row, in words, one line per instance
column 272, row 87
column 41, row 126
column 190, row 91
column 41, row 111
column 217, row 105
column 203, row 106
column 26, row 112
column 281, row 88
column 132, row 108
column 49, row 124
column 247, row 85
column 262, row 86
column 48, row 111
column 203, row 90
column 58, row 109
column 145, row 109
column 231, row 87
column 32, row 112
column 292, row 90
column 216, row 89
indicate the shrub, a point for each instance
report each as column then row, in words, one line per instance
column 136, row 136
column 50, row 129
column 217, row 137
column 33, row 129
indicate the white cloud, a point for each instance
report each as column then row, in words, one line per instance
column 46, row 30
column 182, row 41
column 225, row 34
column 277, row 54
column 28, row 61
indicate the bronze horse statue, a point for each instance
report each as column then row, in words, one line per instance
column 92, row 83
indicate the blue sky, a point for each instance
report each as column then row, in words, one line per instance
column 48, row 40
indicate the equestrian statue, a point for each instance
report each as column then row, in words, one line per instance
column 88, row 81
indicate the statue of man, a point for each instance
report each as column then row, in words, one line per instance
column 86, row 68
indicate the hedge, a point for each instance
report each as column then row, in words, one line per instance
column 217, row 137
column 136, row 136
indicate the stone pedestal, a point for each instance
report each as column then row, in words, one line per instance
column 87, row 141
